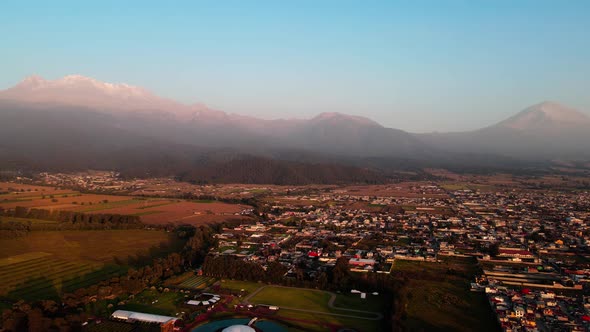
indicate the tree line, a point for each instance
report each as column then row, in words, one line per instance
column 61, row 220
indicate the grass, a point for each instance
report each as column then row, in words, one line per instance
column 439, row 301
column 237, row 285
column 167, row 302
column 156, row 205
column 374, row 303
column 294, row 298
column 110, row 205
column 27, row 220
column 316, row 300
column 29, row 196
column 259, row 191
column 146, row 213
column 309, row 299
column 321, row 322
column 44, row 265
column 94, row 245
column 453, row 186
column 196, row 282
column 22, row 258
column 39, row 275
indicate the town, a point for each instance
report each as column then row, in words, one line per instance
column 522, row 252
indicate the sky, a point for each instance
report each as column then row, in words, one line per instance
column 415, row 65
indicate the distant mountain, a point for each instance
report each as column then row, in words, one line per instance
column 547, row 116
column 140, row 111
column 342, row 134
column 78, row 122
column 543, row 131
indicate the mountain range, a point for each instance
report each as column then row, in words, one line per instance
column 78, row 122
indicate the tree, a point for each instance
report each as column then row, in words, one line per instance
column 340, row 274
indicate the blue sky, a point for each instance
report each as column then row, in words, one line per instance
column 413, row 65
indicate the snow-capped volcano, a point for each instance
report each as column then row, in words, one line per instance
column 546, row 116
column 78, row 90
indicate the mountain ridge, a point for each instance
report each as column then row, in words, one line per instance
column 540, row 132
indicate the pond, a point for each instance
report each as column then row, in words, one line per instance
column 264, row 325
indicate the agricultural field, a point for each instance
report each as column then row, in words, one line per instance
column 293, row 200
column 9, row 189
column 150, row 210
column 404, row 189
column 45, row 264
column 192, row 212
column 96, row 246
column 442, row 301
column 453, row 186
column 27, row 220
column 42, row 275
column 68, row 200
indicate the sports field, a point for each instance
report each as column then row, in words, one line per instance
column 317, row 310
column 155, row 302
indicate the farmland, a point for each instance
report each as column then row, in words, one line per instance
column 404, row 189
column 41, row 275
column 96, row 246
column 150, row 210
column 45, row 264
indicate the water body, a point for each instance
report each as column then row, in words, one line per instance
column 264, row 325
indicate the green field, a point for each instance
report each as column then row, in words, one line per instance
column 196, row 282
column 237, row 285
column 40, row 275
column 292, row 300
column 155, row 302
column 110, row 205
column 441, row 301
column 156, row 205
column 146, row 213
column 44, row 264
column 453, row 186
column 34, row 195
column 323, row 322
column 27, row 220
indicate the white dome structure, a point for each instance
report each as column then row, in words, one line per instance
column 238, row 328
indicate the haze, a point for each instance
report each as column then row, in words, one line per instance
column 460, row 65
